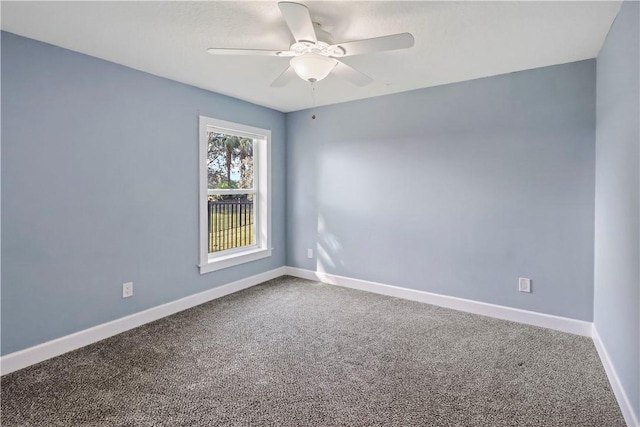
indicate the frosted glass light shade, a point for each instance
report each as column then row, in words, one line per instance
column 312, row 67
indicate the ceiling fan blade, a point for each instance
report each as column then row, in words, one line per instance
column 298, row 20
column 284, row 78
column 351, row 74
column 377, row 44
column 254, row 52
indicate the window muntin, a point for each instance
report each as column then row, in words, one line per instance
column 235, row 203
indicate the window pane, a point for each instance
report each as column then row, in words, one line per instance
column 229, row 161
column 231, row 222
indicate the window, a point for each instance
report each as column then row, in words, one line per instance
column 235, row 204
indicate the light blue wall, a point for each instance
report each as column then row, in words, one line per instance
column 617, row 228
column 458, row 189
column 100, row 187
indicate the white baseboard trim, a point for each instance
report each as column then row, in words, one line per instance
column 564, row 324
column 29, row 356
column 631, row 418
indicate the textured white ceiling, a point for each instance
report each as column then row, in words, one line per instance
column 455, row 41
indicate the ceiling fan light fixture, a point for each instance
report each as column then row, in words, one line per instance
column 313, row 67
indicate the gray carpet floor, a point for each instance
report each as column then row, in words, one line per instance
column 291, row 352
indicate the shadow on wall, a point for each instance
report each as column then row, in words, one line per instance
column 328, row 249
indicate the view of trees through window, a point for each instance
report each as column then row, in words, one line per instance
column 230, row 161
column 230, row 178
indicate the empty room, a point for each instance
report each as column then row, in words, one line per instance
column 324, row 213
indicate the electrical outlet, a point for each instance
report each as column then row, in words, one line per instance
column 127, row 290
column 310, row 253
column 524, row 285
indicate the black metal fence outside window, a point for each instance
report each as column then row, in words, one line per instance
column 231, row 224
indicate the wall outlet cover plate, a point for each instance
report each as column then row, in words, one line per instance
column 524, row 284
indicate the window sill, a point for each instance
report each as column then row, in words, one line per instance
column 218, row 263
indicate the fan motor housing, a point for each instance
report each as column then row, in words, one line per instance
column 324, row 45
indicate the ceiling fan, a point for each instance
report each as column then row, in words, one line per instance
column 313, row 55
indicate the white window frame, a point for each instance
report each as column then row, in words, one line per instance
column 262, row 196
